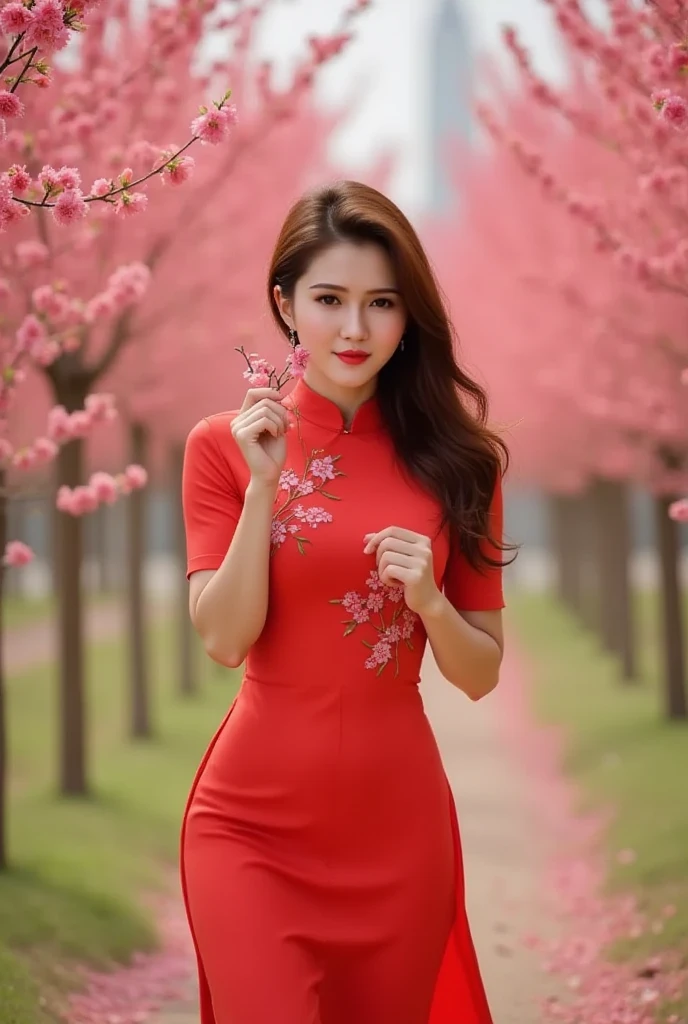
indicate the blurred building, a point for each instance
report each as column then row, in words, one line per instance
column 451, row 67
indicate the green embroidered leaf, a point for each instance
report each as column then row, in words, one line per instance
column 350, row 628
column 332, row 497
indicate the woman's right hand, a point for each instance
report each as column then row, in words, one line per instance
column 260, row 430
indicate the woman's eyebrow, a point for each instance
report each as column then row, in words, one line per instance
column 340, row 288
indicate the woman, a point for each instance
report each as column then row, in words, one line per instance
column 330, row 534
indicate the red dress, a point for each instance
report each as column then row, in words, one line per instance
column 321, row 859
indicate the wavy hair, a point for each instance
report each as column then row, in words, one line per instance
column 436, row 415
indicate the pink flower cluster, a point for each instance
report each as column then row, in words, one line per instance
column 62, row 427
column 135, row 992
column 44, row 25
column 291, row 516
column 102, row 489
column 17, row 554
column 365, row 609
column 597, row 988
column 260, row 373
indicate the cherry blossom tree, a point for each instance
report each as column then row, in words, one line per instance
column 573, row 217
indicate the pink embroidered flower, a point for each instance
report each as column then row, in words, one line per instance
column 291, row 516
column 323, row 469
column 369, row 609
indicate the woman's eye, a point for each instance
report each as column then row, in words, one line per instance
column 325, row 299
column 388, row 303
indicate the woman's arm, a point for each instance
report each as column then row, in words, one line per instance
column 467, row 646
column 228, row 606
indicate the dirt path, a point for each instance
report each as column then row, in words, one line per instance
column 505, row 848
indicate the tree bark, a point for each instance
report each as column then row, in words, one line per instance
column 4, row 856
column 675, row 703
column 140, row 724
column 566, row 546
column 73, row 773
column 612, row 516
column 188, row 676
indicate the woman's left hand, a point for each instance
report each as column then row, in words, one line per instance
column 404, row 557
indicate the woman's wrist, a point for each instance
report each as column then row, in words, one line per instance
column 261, row 490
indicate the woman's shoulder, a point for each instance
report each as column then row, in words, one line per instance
column 212, row 438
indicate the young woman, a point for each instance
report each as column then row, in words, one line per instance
column 331, row 533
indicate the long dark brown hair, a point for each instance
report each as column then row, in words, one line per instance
column 436, row 415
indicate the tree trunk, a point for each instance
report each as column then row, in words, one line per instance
column 566, row 547
column 188, row 677
column 671, row 612
column 616, row 598
column 4, row 858
column 105, row 583
column 589, row 562
column 73, row 772
column 140, row 709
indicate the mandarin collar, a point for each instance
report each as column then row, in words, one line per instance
column 324, row 413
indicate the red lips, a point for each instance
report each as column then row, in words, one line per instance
column 352, row 357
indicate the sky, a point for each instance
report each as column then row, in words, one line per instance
column 389, row 64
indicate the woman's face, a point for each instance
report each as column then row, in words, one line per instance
column 349, row 317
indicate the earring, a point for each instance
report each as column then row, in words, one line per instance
column 403, row 338
column 293, row 337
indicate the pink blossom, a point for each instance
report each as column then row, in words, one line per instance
column 323, row 469
column 101, row 187
column 6, row 450
column 297, row 361
column 70, row 207
column 31, row 333
column 105, row 487
column 15, row 18
column 675, row 111
column 47, row 29
column 81, row 423
column 17, row 554
column 213, row 126
column 678, row 510
column 44, row 449
column 78, row 502
column 179, row 171
column 258, row 380
column 129, row 283
column 24, row 458
column 59, row 424
column 68, row 178
column 135, row 476
column 10, row 104
column 101, row 407
column 20, row 179
column 47, row 352
column 131, row 203
column 47, row 178
column 31, row 254
column 99, row 307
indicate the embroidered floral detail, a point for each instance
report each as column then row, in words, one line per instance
column 291, row 518
column 370, row 609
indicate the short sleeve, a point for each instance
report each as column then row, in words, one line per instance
column 211, row 500
column 473, row 590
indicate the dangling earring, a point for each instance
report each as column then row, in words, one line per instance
column 293, row 338
column 403, row 338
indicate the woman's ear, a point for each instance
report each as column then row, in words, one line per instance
column 284, row 305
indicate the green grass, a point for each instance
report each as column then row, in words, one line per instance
column 622, row 752
column 80, row 867
column 24, row 611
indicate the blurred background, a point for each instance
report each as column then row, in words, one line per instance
column 527, row 143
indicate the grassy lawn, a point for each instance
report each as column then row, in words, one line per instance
column 81, row 864
column 23, row 611
column 623, row 754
